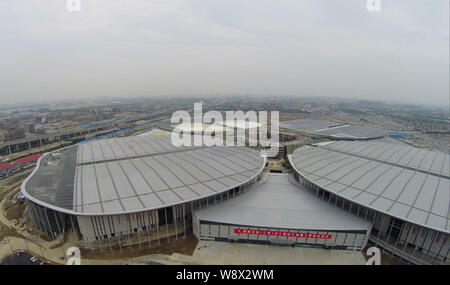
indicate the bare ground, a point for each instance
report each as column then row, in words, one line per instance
column 4, row 231
column 183, row 246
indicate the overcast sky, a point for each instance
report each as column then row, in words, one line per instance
column 201, row 47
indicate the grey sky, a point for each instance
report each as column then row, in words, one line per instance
column 201, row 47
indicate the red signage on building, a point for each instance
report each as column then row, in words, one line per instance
column 282, row 234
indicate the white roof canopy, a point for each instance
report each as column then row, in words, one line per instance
column 281, row 203
column 132, row 174
column 408, row 183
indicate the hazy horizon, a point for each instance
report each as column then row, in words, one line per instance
column 138, row 48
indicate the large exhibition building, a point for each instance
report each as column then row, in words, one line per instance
column 140, row 187
column 333, row 130
column 402, row 190
column 339, row 194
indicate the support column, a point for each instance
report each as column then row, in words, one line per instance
column 56, row 221
column 157, row 226
column 174, row 219
column 129, row 228
column 381, row 229
column 138, row 229
column 109, row 242
column 444, row 239
column 100, row 245
column 148, row 229
column 73, row 228
column 139, row 238
column 389, row 234
column 34, row 215
column 425, row 239
column 367, row 213
column 49, row 225
column 167, row 227
column 415, row 239
column 396, row 242
column 118, row 238
column 432, row 242
column 184, row 223
column 41, row 222
column 410, row 226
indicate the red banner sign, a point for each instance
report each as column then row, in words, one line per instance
column 281, row 234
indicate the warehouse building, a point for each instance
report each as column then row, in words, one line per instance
column 278, row 210
column 404, row 191
column 332, row 130
column 116, row 191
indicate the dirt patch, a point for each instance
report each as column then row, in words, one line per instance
column 5, row 192
column 14, row 210
column 4, row 231
column 35, row 231
column 11, row 185
column 19, row 176
column 183, row 246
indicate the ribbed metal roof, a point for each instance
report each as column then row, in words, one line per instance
column 408, row 183
column 280, row 202
column 52, row 181
column 132, row 174
column 334, row 130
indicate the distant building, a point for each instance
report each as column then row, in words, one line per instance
column 29, row 128
column 49, row 118
column 333, row 130
column 11, row 124
column 13, row 135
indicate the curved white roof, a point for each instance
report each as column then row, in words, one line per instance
column 405, row 182
column 332, row 130
column 133, row 174
column 279, row 202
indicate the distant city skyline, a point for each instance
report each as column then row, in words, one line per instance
column 137, row 48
